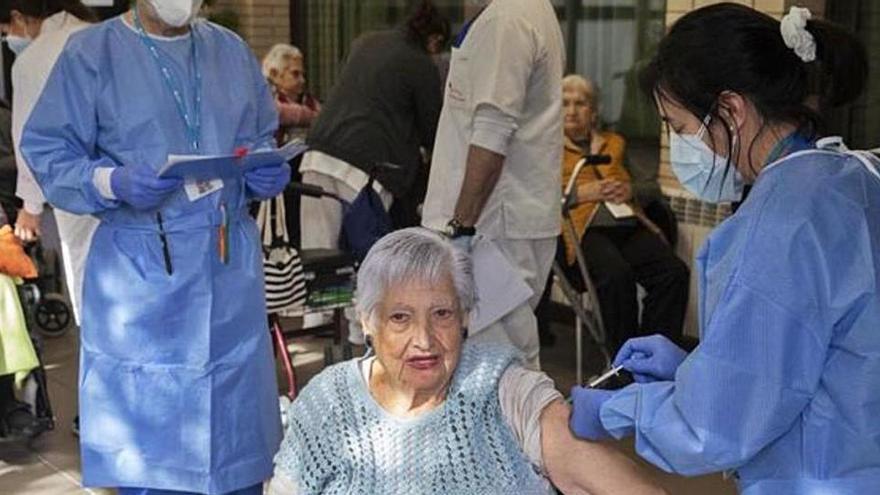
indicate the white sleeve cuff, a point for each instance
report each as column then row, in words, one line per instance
column 493, row 129
column 27, row 189
column 101, row 180
column 33, row 207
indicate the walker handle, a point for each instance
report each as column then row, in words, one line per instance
column 307, row 189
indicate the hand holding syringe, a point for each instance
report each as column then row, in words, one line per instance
column 613, row 371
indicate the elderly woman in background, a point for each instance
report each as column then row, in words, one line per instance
column 621, row 245
column 283, row 67
column 425, row 412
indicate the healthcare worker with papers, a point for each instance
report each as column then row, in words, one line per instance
column 177, row 384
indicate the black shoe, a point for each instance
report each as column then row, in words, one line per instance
column 18, row 422
column 74, row 427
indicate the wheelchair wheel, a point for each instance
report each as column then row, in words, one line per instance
column 52, row 316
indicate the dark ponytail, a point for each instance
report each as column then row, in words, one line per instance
column 41, row 9
column 729, row 47
column 841, row 71
column 424, row 21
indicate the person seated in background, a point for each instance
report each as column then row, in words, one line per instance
column 621, row 246
column 16, row 419
column 284, row 68
column 9, row 203
column 424, row 411
column 17, row 354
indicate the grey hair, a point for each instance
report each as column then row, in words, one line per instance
column 413, row 254
column 279, row 56
column 577, row 82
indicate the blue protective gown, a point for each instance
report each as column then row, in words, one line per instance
column 177, row 384
column 784, row 387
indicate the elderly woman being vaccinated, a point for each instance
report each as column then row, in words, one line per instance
column 424, row 411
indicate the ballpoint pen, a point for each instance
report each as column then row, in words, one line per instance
column 165, row 252
column 223, row 235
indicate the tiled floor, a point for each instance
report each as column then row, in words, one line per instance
column 51, row 465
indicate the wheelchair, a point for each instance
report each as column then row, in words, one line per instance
column 34, row 395
column 49, row 311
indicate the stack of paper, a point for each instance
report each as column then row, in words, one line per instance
column 209, row 167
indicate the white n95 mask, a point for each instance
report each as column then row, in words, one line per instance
column 701, row 171
column 176, row 13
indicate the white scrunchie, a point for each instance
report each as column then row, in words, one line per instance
column 794, row 32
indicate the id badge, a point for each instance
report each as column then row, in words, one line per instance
column 197, row 189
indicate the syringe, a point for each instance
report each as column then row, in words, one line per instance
column 599, row 380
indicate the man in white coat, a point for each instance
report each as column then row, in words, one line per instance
column 49, row 33
column 496, row 163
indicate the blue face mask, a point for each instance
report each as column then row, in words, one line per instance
column 701, row 171
column 17, row 43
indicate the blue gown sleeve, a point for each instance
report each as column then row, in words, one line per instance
column 59, row 138
column 742, row 387
column 763, row 349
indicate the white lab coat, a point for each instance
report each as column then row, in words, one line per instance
column 29, row 75
column 512, row 59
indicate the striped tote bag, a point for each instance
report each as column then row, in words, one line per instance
column 282, row 266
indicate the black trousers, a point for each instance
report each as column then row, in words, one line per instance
column 618, row 258
column 7, row 392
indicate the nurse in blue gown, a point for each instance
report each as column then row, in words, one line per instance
column 784, row 388
column 177, row 384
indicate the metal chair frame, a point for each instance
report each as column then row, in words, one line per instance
column 585, row 304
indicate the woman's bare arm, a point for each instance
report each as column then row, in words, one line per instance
column 581, row 467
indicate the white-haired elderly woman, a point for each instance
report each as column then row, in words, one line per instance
column 284, row 68
column 620, row 250
column 426, row 412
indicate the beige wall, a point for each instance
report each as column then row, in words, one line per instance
column 262, row 23
column 677, row 8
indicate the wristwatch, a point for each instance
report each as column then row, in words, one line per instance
column 455, row 229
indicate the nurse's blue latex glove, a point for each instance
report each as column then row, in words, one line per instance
column 141, row 187
column 267, row 182
column 585, row 406
column 650, row 359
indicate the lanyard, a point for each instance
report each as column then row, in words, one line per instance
column 793, row 142
column 192, row 122
column 459, row 39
